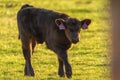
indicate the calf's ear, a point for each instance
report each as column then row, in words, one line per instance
column 85, row 23
column 60, row 23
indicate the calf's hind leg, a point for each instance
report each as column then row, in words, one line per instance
column 27, row 51
column 33, row 45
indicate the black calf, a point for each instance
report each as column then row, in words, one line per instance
column 57, row 30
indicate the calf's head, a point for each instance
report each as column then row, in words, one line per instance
column 72, row 27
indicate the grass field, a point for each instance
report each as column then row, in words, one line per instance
column 89, row 58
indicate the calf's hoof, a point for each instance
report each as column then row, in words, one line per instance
column 29, row 72
column 69, row 74
column 69, row 71
column 61, row 73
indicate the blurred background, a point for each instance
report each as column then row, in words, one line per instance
column 89, row 58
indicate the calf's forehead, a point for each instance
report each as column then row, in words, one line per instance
column 73, row 24
column 73, row 20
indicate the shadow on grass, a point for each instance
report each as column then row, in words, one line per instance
column 102, row 65
column 54, row 78
column 78, row 10
column 8, row 4
column 11, row 51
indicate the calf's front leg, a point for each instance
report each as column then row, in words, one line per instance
column 60, row 68
column 63, row 57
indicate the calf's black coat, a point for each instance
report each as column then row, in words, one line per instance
column 57, row 30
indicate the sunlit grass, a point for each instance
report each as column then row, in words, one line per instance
column 89, row 58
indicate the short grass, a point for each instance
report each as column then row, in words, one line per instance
column 89, row 58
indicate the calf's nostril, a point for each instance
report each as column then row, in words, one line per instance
column 75, row 40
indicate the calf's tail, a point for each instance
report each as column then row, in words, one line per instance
column 24, row 6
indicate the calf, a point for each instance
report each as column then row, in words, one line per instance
column 57, row 30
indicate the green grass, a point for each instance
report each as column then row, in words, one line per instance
column 89, row 58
